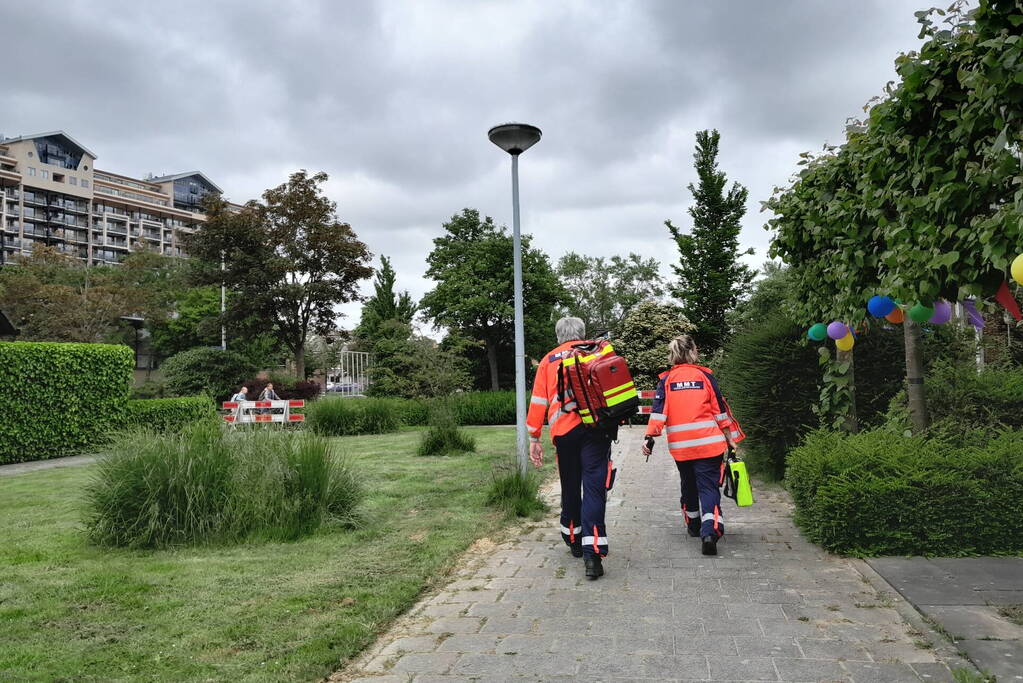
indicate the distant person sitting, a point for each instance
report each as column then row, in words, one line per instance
column 268, row 394
column 241, row 395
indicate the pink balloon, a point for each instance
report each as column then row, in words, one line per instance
column 942, row 312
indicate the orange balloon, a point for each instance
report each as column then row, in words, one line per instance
column 896, row 316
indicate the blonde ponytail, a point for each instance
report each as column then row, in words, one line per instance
column 682, row 350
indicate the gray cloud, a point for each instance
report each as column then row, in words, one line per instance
column 393, row 99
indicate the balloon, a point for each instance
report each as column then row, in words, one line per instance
column 896, row 316
column 1017, row 269
column 845, row 343
column 921, row 313
column 817, row 332
column 837, row 330
column 942, row 313
column 880, row 306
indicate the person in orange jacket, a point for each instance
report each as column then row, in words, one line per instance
column 583, row 454
column 690, row 410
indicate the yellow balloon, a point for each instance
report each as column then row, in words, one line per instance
column 846, row 343
column 1017, row 269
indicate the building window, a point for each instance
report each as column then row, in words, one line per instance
column 46, row 175
column 31, row 170
column 72, row 180
column 85, row 183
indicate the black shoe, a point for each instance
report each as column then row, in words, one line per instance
column 577, row 549
column 710, row 545
column 594, row 567
column 695, row 533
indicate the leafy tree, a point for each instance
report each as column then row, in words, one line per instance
column 385, row 304
column 602, row 291
column 644, row 337
column 711, row 277
column 771, row 295
column 472, row 266
column 208, row 371
column 409, row 366
column 289, row 258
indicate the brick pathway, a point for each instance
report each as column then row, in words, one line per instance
column 770, row 607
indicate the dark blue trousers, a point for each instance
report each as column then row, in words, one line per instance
column 701, row 494
column 585, row 469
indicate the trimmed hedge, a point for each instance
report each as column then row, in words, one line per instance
column 471, row 408
column 877, row 494
column 168, row 414
column 205, row 370
column 60, row 399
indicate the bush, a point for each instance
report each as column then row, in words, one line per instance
column 306, row 390
column 964, row 399
column 877, row 494
column 516, row 493
column 349, row 416
column 60, row 399
column 202, row 486
column 168, row 414
column 151, row 388
column 485, row 408
column 444, row 437
column 771, row 382
column 208, row 371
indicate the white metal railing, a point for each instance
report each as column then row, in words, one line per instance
column 351, row 377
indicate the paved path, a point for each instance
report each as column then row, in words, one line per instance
column 769, row 607
column 36, row 465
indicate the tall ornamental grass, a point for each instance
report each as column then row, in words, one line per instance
column 516, row 492
column 350, row 416
column 204, row 486
column 444, row 437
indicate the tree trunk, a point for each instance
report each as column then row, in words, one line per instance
column 492, row 360
column 915, row 376
column 852, row 421
column 300, row 362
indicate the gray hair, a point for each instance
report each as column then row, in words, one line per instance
column 569, row 329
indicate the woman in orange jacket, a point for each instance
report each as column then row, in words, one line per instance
column 690, row 410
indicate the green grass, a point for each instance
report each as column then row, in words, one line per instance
column 257, row 611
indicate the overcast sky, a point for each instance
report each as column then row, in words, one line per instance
column 394, row 99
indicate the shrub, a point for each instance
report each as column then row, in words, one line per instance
column 770, row 380
column 151, row 388
column 877, row 494
column 306, row 390
column 349, row 416
column 202, row 486
column 167, row 414
column 485, row 407
column 959, row 395
column 60, row 399
column 516, row 493
column 444, row 437
column 206, row 371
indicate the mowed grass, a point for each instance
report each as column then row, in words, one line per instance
column 270, row 611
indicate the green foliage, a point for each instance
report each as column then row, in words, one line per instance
column 961, row 399
column 472, row 266
column 485, row 407
column 348, row 416
column 770, row 382
column 836, row 404
column 60, row 399
column 383, row 306
column 873, row 493
column 205, row 486
column 516, row 493
column 602, row 291
column 208, row 371
column 712, row 279
column 444, row 437
column 404, row 365
column 644, row 337
column 169, row 414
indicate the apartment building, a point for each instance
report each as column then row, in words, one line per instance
column 51, row 193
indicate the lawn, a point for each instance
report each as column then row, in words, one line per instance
column 270, row 611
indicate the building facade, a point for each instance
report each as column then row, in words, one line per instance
column 51, row 193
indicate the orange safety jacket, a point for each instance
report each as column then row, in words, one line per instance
column 689, row 408
column 545, row 402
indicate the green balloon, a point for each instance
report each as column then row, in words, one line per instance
column 817, row 332
column 921, row 313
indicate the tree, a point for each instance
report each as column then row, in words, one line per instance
column 206, row 371
column 603, row 291
column 384, row 305
column 472, row 266
column 410, row 366
column 711, row 277
column 644, row 337
column 289, row 259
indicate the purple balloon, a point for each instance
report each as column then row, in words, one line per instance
column 837, row 330
column 976, row 319
column 942, row 312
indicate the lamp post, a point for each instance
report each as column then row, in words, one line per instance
column 516, row 138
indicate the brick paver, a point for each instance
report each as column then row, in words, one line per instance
column 769, row 607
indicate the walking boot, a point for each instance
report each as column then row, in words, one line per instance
column 577, row 549
column 710, row 545
column 594, row 567
column 694, row 531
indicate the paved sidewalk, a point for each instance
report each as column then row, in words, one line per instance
column 37, row 465
column 769, row 607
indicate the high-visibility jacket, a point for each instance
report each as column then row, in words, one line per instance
column 689, row 408
column 545, row 401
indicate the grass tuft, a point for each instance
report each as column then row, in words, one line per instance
column 516, row 493
column 444, row 436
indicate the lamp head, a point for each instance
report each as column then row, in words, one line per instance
column 514, row 138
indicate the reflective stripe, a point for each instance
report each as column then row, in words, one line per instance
column 541, row 401
column 696, row 442
column 568, row 532
column 534, row 438
column 588, row 540
column 708, row 517
column 691, row 515
column 622, row 397
column 618, row 388
column 690, row 426
column 734, row 434
column 555, row 416
column 658, row 416
column 571, row 405
column 721, row 416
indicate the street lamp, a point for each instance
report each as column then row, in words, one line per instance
column 516, row 138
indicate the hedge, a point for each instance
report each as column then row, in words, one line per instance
column 60, row 399
column 875, row 493
column 169, row 414
column 471, row 408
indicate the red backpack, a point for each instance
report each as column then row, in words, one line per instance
column 597, row 380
